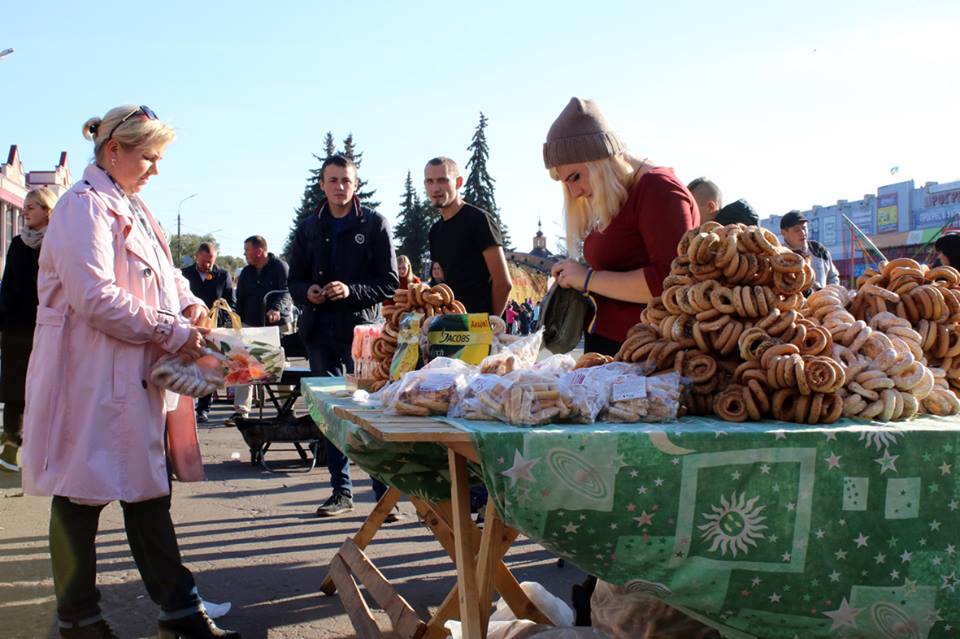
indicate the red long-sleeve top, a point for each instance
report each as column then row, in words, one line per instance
column 644, row 234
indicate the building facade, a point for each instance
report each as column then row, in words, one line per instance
column 15, row 183
column 900, row 219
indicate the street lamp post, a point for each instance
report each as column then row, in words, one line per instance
column 179, row 240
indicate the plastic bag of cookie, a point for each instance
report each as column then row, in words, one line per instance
column 432, row 389
column 638, row 398
column 589, row 388
column 483, row 398
column 510, row 357
column 535, row 398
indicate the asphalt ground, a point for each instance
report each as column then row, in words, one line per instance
column 252, row 538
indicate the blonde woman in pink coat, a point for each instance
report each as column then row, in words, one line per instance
column 111, row 303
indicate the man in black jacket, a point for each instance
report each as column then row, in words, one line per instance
column 209, row 282
column 342, row 266
column 710, row 203
column 262, row 300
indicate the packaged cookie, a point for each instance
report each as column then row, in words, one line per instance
column 638, row 398
column 483, row 398
column 535, row 398
column 430, row 390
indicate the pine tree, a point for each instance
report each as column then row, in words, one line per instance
column 313, row 196
column 350, row 151
column 412, row 233
column 478, row 189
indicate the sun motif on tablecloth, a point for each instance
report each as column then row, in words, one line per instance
column 880, row 437
column 734, row 525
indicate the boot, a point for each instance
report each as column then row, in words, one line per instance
column 196, row 626
column 99, row 630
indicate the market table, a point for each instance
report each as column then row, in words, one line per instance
column 760, row 529
column 431, row 462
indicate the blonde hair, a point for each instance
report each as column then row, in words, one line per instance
column 138, row 131
column 610, row 180
column 405, row 260
column 44, row 196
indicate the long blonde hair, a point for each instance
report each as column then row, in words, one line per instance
column 610, row 180
column 405, row 260
column 137, row 131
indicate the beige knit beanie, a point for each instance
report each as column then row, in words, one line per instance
column 580, row 134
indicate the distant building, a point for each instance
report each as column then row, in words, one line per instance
column 530, row 271
column 15, row 183
column 900, row 220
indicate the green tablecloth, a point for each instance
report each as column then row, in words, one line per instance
column 761, row 529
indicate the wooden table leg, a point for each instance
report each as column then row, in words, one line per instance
column 493, row 530
column 437, row 517
column 469, row 597
column 367, row 531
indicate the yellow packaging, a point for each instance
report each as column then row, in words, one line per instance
column 467, row 337
column 407, row 356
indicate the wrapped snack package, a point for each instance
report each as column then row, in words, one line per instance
column 429, row 391
column 467, row 337
column 535, row 398
column 195, row 379
column 407, row 356
column 636, row 398
column 556, row 364
column 363, row 350
column 508, row 358
column 482, row 399
column 589, row 388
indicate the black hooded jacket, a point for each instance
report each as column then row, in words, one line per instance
column 739, row 212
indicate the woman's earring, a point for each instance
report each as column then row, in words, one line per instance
column 113, row 161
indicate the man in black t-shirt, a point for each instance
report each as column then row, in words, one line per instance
column 466, row 242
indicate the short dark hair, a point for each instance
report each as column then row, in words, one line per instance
column 442, row 160
column 257, row 241
column 337, row 160
column 207, row 247
column 712, row 189
column 949, row 245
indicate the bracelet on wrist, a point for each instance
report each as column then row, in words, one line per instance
column 586, row 282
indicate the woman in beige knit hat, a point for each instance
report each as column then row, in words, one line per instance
column 628, row 215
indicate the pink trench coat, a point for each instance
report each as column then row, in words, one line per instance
column 93, row 427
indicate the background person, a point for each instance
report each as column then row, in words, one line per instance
column 948, row 249
column 107, row 287
column 710, row 204
column 436, row 273
column 466, row 242
column 405, row 273
column 629, row 215
column 209, row 282
column 794, row 229
column 18, row 310
column 264, row 272
column 342, row 266
column 708, row 197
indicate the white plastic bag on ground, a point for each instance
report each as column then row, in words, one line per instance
column 556, row 609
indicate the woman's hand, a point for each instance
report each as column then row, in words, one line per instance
column 569, row 274
column 195, row 313
column 190, row 350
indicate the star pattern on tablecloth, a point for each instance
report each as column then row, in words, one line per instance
column 833, row 461
column 887, row 462
column 845, row 615
column 521, row 469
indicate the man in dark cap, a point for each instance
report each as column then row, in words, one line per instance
column 793, row 227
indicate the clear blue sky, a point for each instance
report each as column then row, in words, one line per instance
column 786, row 105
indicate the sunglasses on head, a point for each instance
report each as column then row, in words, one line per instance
column 142, row 109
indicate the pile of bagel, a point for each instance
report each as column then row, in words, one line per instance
column 420, row 298
column 732, row 318
column 924, row 299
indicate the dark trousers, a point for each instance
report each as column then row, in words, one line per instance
column 12, row 422
column 203, row 403
column 73, row 531
column 335, row 361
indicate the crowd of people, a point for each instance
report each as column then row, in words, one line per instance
column 91, row 287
